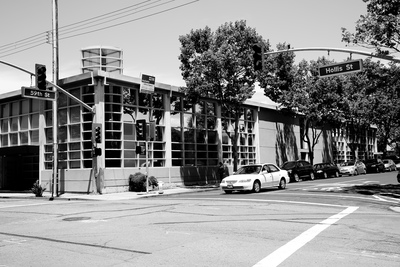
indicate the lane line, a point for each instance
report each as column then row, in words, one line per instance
column 36, row 204
column 284, row 252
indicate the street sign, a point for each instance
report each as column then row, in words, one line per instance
column 32, row 92
column 147, row 84
column 341, row 68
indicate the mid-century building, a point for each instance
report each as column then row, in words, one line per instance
column 188, row 143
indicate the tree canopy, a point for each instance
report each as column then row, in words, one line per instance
column 220, row 65
column 379, row 28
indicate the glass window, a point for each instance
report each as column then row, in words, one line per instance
column 34, row 136
column 24, row 123
column 14, row 124
column 25, row 106
column 75, row 114
column 62, row 116
column 24, row 137
column 75, row 132
column 14, row 139
column 5, row 110
column 4, row 126
column 4, row 140
column 62, row 134
column 14, row 108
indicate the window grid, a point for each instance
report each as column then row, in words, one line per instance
column 246, row 146
column 19, row 124
column 194, row 138
column 136, row 106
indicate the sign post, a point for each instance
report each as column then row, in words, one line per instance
column 341, row 68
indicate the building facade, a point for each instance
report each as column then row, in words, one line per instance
column 188, row 143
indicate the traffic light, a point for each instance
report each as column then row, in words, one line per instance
column 40, row 73
column 97, row 134
column 96, row 152
column 258, row 56
column 141, row 130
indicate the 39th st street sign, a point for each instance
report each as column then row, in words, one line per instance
column 341, row 68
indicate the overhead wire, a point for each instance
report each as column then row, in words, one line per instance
column 45, row 37
column 107, row 21
column 39, row 37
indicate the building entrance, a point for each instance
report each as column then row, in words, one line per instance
column 19, row 167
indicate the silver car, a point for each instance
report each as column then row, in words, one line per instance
column 352, row 168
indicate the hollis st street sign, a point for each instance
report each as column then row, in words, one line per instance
column 341, row 68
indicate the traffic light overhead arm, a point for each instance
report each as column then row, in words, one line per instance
column 52, row 84
column 386, row 57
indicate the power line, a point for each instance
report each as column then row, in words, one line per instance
column 129, row 21
column 35, row 37
column 107, row 21
column 42, row 38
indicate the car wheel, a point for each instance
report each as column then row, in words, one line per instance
column 312, row 177
column 256, row 187
column 325, row 175
column 296, row 177
column 398, row 177
column 377, row 170
column 282, row 183
column 355, row 172
column 228, row 192
column 337, row 174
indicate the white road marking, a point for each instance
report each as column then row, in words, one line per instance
column 284, row 252
column 37, row 204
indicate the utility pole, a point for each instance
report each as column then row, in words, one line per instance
column 55, row 103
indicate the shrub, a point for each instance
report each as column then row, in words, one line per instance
column 137, row 182
column 38, row 189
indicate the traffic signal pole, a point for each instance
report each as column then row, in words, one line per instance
column 55, row 103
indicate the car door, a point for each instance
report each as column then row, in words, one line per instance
column 275, row 174
column 267, row 176
column 300, row 168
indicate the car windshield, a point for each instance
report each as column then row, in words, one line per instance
column 385, row 161
column 348, row 163
column 254, row 169
column 370, row 161
column 289, row 164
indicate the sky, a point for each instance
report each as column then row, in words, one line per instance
column 149, row 34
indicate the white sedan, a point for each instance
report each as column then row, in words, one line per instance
column 255, row 177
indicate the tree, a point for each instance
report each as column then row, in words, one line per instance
column 300, row 90
column 383, row 95
column 220, row 65
column 379, row 28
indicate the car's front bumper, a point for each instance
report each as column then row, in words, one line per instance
column 236, row 187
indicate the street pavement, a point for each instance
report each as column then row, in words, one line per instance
column 118, row 196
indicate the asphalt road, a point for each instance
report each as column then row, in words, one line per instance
column 311, row 223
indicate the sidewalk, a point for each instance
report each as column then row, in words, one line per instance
column 112, row 196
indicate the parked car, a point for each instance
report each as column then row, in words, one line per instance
column 389, row 165
column 352, row 168
column 325, row 170
column 255, row 177
column 374, row 165
column 298, row 169
column 397, row 162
